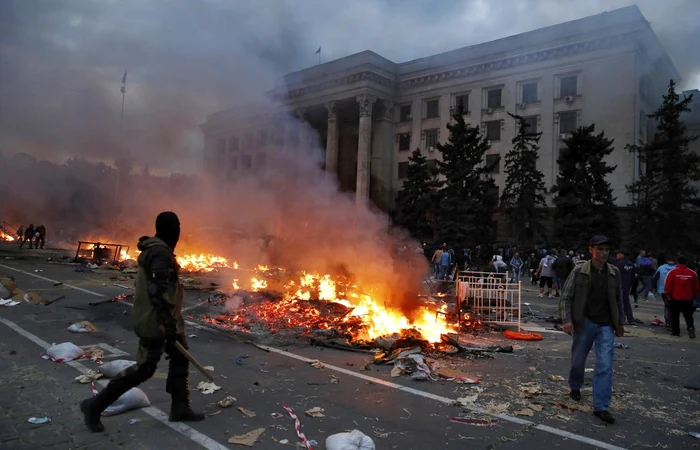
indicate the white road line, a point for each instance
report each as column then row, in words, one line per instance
column 187, row 431
column 389, row 384
column 53, row 281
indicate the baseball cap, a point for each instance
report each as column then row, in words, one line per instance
column 599, row 239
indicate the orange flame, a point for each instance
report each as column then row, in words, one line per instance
column 6, row 237
column 203, row 263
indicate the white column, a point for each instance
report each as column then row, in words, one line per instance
column 332, row 139
column 364, row 141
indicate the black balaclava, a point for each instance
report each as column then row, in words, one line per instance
column 168, row 228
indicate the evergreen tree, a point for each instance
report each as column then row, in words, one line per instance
column 523, row 199
column 583, row 202
column 416, row 201
column 666, row 195
column 466, row 199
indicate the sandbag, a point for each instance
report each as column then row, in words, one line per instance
column 66, row 350
column 4, row 292
column 114, row 368
column 134, row 398
column 355, row 440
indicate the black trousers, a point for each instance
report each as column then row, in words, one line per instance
column 148, row 356
column 679, row 307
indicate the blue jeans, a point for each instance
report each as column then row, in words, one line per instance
column 585, row 335
column 516, row 275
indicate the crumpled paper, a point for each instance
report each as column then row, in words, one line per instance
column 88, row 376
column 247, row 439
column 315, row 412
column 317, row 364
column 555, row 377
column 246, row 412
column 227, row 402
column 413, row 364
column 207, row 387
column 96, row 352
column 467, row 400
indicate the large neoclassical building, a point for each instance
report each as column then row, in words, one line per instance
column 370, row 113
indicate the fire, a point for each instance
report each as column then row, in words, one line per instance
column 203, row 263
column 378, row 319
column 263, row 268
column 6, row 237
column 257, row 285
column 235, row 284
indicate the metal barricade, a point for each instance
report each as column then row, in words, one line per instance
column 492, row 298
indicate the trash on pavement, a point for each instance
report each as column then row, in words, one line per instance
column 64, row 352
column 37, row 420
column 276, row 415
column 334, row 379
column 657, row 322
column 240, row 359
column 246, row 412
column 480, row 422
column 354, row 440
column 247, row 439
column 207, row 387
column 133, row 421
column 209, row 368
column 466, row 400
column 568, row 406
column 227, row 402
column 134, row 398
column 88, row 377
column 34, row 298
column 622, row 346
column 95, row 352
column 315, row 412
column 8, row 302
column 535, row 407
column 588, row 370
column 524, row 412
column 695, row 434
column 455, row 375
column 316, row 364
column 82, row 327
column 114, row 368
column 497, row 408
column 412, row 364
column 555, row 377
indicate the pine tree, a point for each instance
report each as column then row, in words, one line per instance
column 466, row 201
column 583, row 202
column 523, row 199
column 666, row 196
column 416, row 201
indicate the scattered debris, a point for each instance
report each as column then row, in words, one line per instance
column 466, row 401
column 315, row 412
column 497, row 408
column 276, row 415
column 215, row 413
column 524, row 412
column 695, row 434
column 316, row 364
column 568, row 406
column 531, row 389
column 36, row 420
column 555, row 377
column 480, row 422
column 209, row 368
column 246, row 412
column 240, row 359
column 82, row 327
column 589, row 370
column 88, row 377
column 535, row 407
column 8, row 302
column 207, row 387
column 227, row 402
column 133, row 421
column 622, row 346
column 247, row 439
column 334, row 379
column 54, row 300
column 95, row 352
column 355, row 440
column 409, row 414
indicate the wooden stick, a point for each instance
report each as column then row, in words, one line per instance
column 194, row 362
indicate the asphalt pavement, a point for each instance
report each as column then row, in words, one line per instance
column 651, row 404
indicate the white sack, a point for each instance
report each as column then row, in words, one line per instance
column 113, row 368
column 66, row 350
column 134, row 398
column 355, row 440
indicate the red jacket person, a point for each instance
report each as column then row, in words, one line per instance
column 681, row 288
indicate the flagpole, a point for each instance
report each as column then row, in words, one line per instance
column 319, row 57
column 121, row 127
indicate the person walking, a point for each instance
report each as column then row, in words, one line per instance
column 545, row 272
column 628, row 272
column 516, row 263
column 660, row 282
column 158, row 323
column 591, row 311
column 682, row 287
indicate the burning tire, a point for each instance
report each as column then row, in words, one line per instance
column 523, row 335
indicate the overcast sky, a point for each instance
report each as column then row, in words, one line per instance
column 61, row 61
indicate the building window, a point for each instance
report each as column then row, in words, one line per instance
column 493, row 130
column 530, row 93
column 262, row 138
column 464, row 100
column 431, row 138
column 494, row 98
column 260, row 160
column 403, row 170
column 567, row 122
column 246, row 162
column 405, row 113
column 530, row 124
column 494, row 163
column 432, row 109
column 405, row 141
column 233, row 144
column 567, row 86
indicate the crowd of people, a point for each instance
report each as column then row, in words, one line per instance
column 35, row 236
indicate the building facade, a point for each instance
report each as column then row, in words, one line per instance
column 370, row 113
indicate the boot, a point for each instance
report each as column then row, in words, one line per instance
column 92, row 407
column 180, row 408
